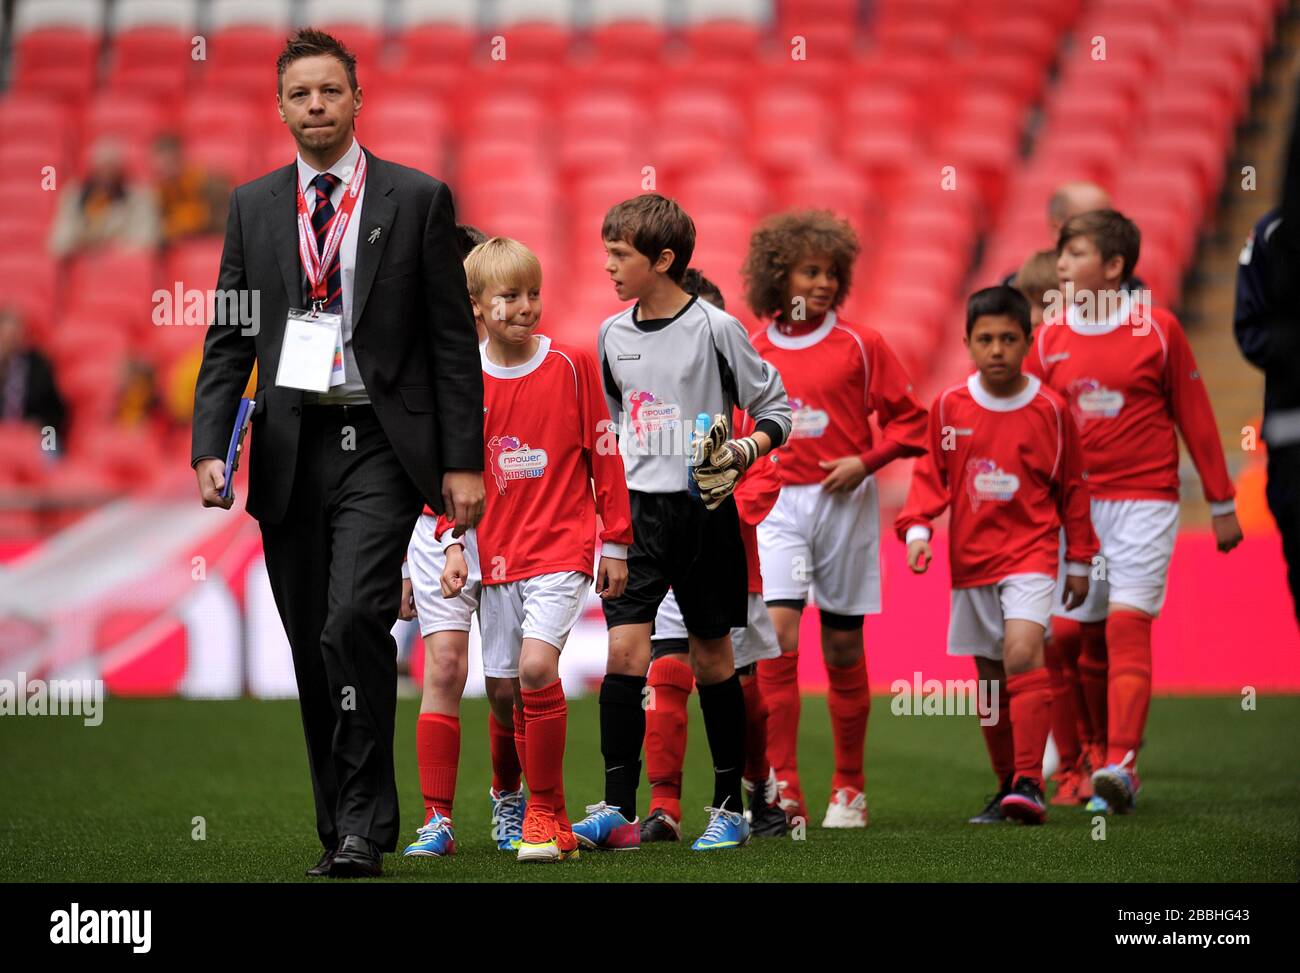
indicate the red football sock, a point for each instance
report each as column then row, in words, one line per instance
column 1128, row 638
column 778, row 681
column 1061, row 652
column 849, row 703
column 1031, row 719
column 671, row 680
column 437, row 753
column 505, row 757
column 546, row 719
column 756, row 765
column 521, row 743
column 998, row 739
column 1092, row 679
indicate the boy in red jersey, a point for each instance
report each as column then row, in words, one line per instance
column 1078, row 743
column 823, row 533
column 1128, row 375
column 543, row 416
column 1005, row 458
column 445, row 628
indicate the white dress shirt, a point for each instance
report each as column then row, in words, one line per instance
column 353, row 391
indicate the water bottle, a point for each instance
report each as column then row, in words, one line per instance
column 694, row 456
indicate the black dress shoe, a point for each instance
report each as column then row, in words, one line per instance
column 322, row 867
column 357, row 857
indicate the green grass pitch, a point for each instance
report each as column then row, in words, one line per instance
column 117, row 802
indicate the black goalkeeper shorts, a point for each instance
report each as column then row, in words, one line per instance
column 699, row 552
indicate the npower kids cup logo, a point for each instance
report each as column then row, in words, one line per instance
column 513, row 460
column 650, row 415
column 807, row 422
column 1089, row 399
column 987, row 482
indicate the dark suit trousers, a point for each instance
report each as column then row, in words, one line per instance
column 335, row 566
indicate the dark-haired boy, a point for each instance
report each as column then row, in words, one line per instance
column 1128, row 375
column 670, row 678
column 1004, row 457
column 665, row 360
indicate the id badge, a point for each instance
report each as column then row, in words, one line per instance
column 311, row 353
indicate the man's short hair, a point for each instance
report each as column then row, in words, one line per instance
column 468, row 237
column 1110, row 231
column 501, row 261
column 651, row 224
column 1037, row 276
column 694, row 282
column 1000, row 301
column 309, row 42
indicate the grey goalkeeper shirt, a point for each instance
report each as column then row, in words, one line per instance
column 659, row 374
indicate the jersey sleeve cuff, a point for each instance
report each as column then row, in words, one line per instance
column 1221, row 507
column 917, row 532
column 1077, row 569
column 616, row 551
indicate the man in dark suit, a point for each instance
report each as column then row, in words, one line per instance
column 337, row 479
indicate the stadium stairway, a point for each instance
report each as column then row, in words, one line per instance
column 1237, row 388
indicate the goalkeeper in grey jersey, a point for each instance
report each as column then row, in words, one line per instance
column 665, row 360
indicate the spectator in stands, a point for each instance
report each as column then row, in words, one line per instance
column 139, row 403
column 191, row 201
column 1036, row 279
column 28, row 392
column 1070, row 199
column 105, row 208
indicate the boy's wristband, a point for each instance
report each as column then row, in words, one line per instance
column 917, row 532
column 1077, row 569
column 1221, row 507
column 616, row 551
column 406, row 570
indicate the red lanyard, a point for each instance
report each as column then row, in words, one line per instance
column 317, row 264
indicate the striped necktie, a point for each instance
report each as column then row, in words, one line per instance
column 320, row 218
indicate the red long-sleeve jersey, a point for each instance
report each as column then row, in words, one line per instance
column 755, row 495
column 541, row 459
column 1129, row 381
column 836, row 375
column 1010, row 470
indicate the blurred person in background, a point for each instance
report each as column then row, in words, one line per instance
column 1267, row 328
column 28, row 392
column 139, row 403
column 191, row 201
column 105, row 208
column 1072, row 199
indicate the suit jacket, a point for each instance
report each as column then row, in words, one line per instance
column 413, row 332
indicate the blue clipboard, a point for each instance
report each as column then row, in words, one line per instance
column 242, row 418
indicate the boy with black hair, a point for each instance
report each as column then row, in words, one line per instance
column 666, row 360
column 1004, row 457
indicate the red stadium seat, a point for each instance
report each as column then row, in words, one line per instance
column 634, row 39
column 828, row 185
column 24, row 459
column 132, row 119
column 117, row 280
column 57, row 61
column 237, row 58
